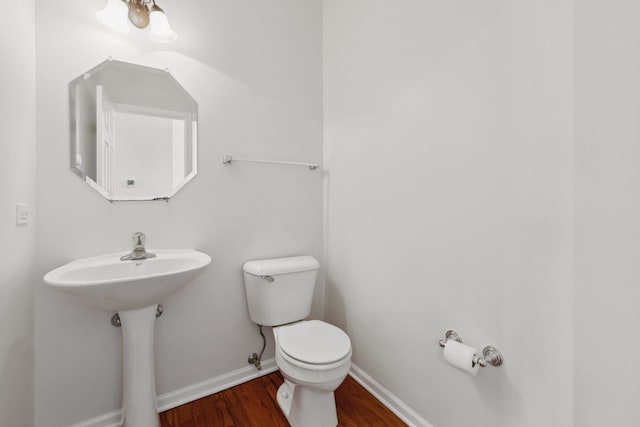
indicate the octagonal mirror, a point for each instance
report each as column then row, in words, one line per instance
column 133, row 132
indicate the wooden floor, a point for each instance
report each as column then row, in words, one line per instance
column 253, row 404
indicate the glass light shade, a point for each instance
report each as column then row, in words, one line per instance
column 161, row 31
column 138, row 13
column 114, row 16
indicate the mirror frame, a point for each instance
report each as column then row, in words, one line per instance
column 73, row 149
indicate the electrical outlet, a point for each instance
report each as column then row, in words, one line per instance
column 22, row 213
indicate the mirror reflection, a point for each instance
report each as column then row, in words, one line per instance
column 133, row 131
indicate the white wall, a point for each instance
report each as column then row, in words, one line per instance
column 607, row 130
column 255, row 70
column 448, row 139
column 17, row 139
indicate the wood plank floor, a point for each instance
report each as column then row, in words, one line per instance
column 253, row 404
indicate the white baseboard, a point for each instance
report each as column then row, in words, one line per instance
column 112, row 419
column 190, row 393
column 395, row 405
column 193, row 392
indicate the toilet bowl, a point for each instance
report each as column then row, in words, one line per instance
column 314, row 357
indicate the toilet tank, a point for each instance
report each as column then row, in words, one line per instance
column 280, row 290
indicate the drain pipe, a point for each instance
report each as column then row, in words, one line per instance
column 115, row 319
column 254, row 359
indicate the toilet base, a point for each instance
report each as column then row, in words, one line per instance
column 306, row 408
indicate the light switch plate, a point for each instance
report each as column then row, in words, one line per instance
column 22, row 213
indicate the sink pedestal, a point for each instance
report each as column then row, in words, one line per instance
column 139, row 383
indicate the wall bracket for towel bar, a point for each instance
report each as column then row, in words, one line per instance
column 228, row 159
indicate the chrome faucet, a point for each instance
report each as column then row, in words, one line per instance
column 138, row 252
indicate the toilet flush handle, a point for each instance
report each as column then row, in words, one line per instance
column 268, row 278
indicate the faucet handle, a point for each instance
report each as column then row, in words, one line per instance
column 138, row 239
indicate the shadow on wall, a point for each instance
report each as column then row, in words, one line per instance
column 336, row 313
column 505, row 398
column 12, row 372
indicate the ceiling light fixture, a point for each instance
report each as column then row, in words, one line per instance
column 119, row 15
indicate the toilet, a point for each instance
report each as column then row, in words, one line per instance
column 313, row 356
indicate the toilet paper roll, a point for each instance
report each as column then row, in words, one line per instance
column 461, row 356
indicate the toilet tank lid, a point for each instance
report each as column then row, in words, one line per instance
column 271, row 267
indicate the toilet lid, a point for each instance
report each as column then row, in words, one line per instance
column 314, row 341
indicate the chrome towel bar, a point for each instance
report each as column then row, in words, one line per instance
column 228, row 159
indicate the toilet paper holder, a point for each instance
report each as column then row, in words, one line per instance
column 490, row 354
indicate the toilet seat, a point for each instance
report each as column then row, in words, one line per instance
column 314, row 342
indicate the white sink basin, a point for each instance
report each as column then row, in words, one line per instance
column 106, row 282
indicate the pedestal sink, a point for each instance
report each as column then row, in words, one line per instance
column 133, row 289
